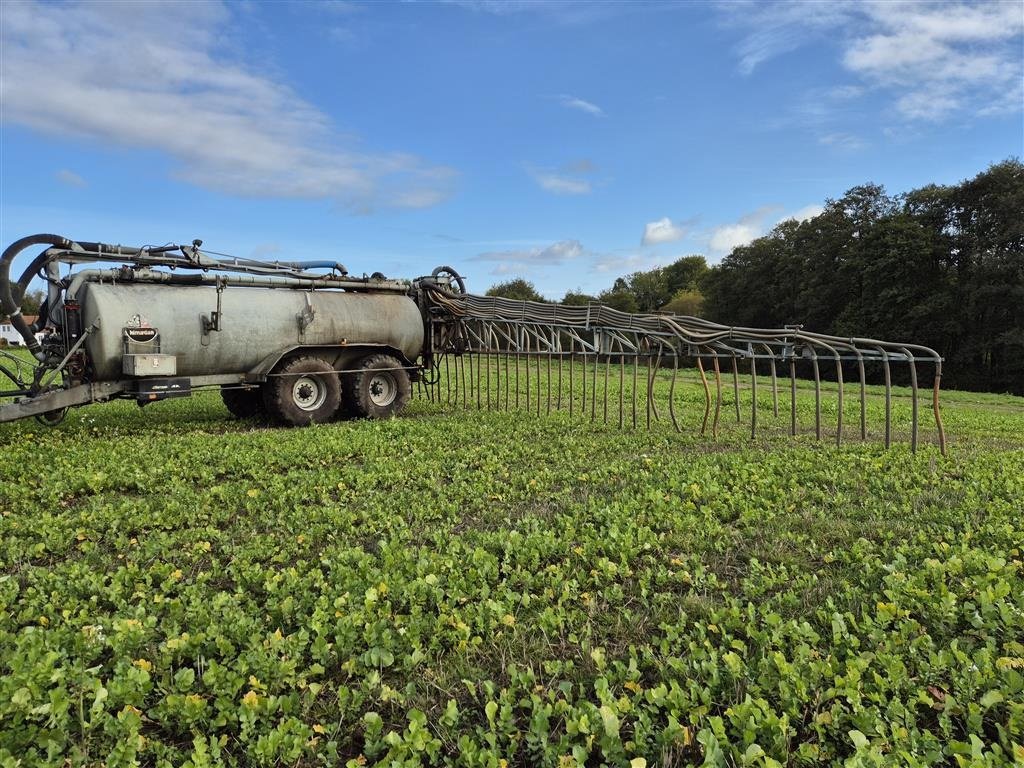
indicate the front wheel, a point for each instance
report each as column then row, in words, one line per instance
column 304, row 390
column 52, row 418
column 242, row 402
column 378, row 388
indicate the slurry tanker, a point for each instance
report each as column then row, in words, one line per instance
column 303, row 342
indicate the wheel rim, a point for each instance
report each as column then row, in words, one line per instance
column 308, row 393
column 383, row 389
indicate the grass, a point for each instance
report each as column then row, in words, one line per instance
column 487, row 588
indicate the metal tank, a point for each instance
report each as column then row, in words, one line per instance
column 255, row 324
column 298, row 342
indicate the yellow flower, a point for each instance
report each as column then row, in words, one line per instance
column 319, row 729
column 508, row 620
column 144, row 664
column 251, row 699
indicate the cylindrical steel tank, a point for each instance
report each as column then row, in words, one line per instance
column 255, row 323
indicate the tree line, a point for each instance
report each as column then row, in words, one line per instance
column 941, row 266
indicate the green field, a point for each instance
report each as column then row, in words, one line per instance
column 465, row 587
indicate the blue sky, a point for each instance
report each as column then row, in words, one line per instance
column 567, row 143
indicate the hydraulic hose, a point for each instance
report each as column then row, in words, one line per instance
column 11, row 294
column 445, row 270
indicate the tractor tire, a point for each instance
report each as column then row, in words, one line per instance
column 378, row 388
column 303, row 390
column 243, row 403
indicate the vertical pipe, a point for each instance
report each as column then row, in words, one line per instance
column 736, row 386
column 551, row 347
column 622, row 386
column 636, row 365
column 792, row 396
column 775, row 384
column 479, row 360
column 527, row 347
column 817, row 394
column 839, row 382
column 652, row 375
column 508, row 367
column 537, row 360
column 583, row 402
column 607, row 373
column 707, row 397
column 888, row 398
column 718, row 395
column 672, row 389
column 913, row 404
column 753, row 395
column 863, row 397
column 447, row 379
column 497, row 369
column 518, row 351
column 593, row 381
column 648, row 392
column 558, row 405
column 572, row 367
column 462, row 370
column 935, row 408
column 490, row 346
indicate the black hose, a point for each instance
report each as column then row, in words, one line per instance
column 9, row 305
column 44, row 315
column 455, row 275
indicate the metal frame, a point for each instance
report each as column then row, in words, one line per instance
column 477, row 327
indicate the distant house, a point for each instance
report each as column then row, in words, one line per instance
column 9, row 334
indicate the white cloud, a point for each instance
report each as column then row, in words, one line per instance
column 574, row 102
column 563, row 13
column 70, row 178
column 938, row 60
column 508, row 262
column 663, row 231
column 562, row 185
column 848, row 142
column 156, row 77
column 803, row 214
column 723, row 239
column 570, row 179
column 945, row 59
column 621, row 264
column 779, row 27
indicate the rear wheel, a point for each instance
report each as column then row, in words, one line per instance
column 243, row 402
column 304, row 390
column 378, row 388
